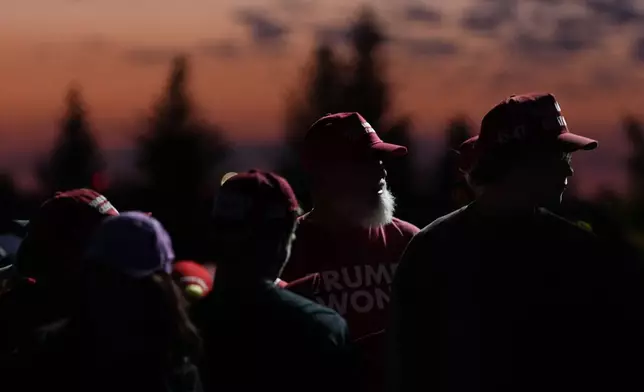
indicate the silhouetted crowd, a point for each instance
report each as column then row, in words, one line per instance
column 499, row 295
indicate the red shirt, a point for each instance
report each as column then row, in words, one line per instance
column 356, row 267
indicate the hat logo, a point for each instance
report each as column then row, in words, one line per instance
column 555, row 124
column 557, row 106
column 102, row 204
column 562, row 121
column 194, row 280
column 367, row 127
column 97, row 201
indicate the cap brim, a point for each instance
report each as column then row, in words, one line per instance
column 21, row 222
column 392, row 150
column 468, row 144
column 573, row 142
column 227, row 177
column 20, row 227
column 6, row 270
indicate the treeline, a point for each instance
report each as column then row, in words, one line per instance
column 179, row 153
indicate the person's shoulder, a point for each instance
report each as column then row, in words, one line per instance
column 441, row 231
column 53, row 332
column 404, row 228
column 318, row 318
column 445, row 223
column 319, row 313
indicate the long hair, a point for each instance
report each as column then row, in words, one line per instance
column 143, row 316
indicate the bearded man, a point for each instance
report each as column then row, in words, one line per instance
column 351, row 237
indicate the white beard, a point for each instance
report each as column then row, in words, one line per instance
column 371, row 216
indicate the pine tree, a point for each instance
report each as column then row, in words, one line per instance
column 635, row 133
column 76, row 160
column 367, row 92
column 179, row 152
column 322, row 94
column 178, row 156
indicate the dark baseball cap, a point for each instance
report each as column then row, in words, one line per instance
column 132, row 243
column 255, row 196
column 61, row 229
column 529, row 122
column 343, row 136
column 68, row 207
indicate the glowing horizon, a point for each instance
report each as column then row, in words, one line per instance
column 247, row 56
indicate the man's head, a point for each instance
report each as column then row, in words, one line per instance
column 254, row 222
column 58, row 235
column 523, row 149
column 344, row 157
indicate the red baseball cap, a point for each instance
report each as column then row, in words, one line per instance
column 76, row 209
column 76, row 202
column 533, row 121
column 255, row 195
column 343, row 136
column 194, row 279
column 62, row 227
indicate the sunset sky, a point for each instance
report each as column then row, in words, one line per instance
column 444, row 58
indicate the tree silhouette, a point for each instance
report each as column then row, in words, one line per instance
column 635, row 134
column 322, row 94
column 179, row 152
column 450, row 189
column 367, row 92
column 76, row 160
column 178, row 155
